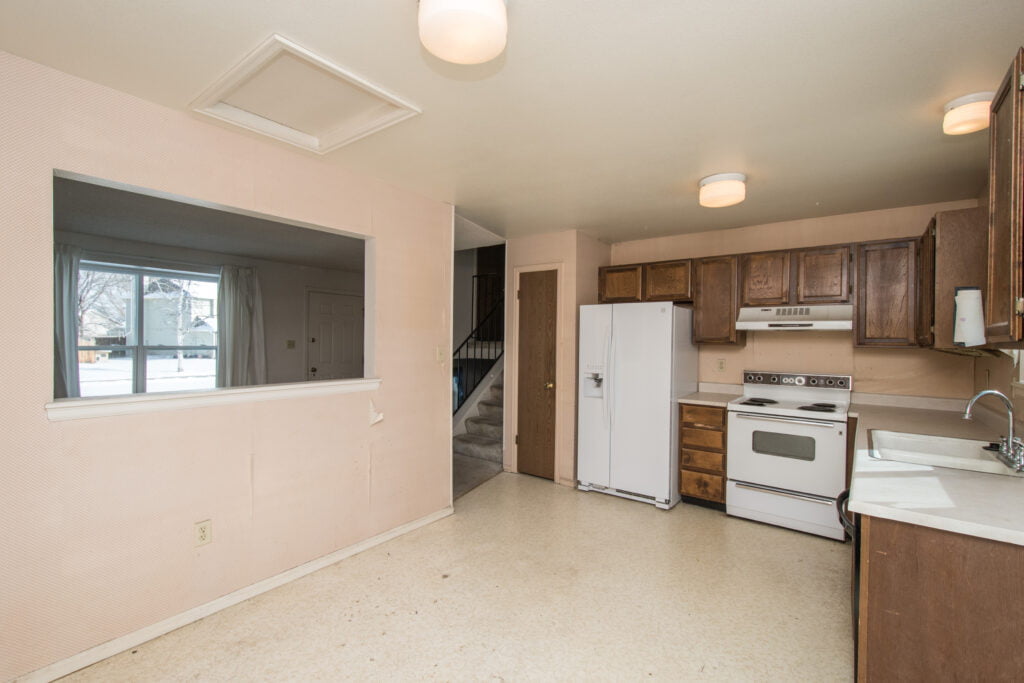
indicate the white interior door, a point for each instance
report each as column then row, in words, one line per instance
column 334, row 336
column 641, row 377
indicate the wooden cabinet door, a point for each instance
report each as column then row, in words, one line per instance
column 886, row 306
column 938, row 606
column 668, row 281
column 764, row 279
column 926, row 287
column 1003, row 290
column 715, row 301
column 620, row 284
column 822, row 276
column 961, row 256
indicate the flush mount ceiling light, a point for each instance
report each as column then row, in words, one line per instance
column 463, row 31
column 967, row 114
column 723, row 189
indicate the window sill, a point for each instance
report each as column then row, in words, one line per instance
column 84, row 408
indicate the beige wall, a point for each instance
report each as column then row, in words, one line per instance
column 912, row 372
column 577, row 257
column 96, row 515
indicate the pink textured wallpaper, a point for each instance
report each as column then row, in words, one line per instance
column 96, row 515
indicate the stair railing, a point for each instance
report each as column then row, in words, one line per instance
column 477, row 354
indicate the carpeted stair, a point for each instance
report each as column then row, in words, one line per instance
column 477, row 453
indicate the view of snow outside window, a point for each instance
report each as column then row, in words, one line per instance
column 177, row 348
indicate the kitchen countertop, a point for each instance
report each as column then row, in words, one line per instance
column 973, row 503
column 706, row 398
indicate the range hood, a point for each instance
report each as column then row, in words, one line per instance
column 835, row 317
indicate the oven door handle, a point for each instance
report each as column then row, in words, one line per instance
column 787, row 420
column 821, row 500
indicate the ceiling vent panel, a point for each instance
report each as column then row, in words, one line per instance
column 289, row 93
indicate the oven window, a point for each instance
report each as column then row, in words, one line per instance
column 784, row 445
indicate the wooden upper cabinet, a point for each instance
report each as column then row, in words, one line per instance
column 926, row 287
column 887, row 297
column 961, row 251
column 1004, row 296
column 822, row 276
column 764, row 278
column 618, row 284
column 715, row 300
column 667, row 281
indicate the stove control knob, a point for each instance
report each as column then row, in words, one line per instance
column 750, row 378
column 830, row 381
column 841, row 382
column 774, row 379
column 799, row 381
column 760, row 379
column 814, row 380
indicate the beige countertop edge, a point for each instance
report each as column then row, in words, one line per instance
column 983, row 505
column 706, row 398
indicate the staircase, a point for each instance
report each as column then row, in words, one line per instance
column 477, row 454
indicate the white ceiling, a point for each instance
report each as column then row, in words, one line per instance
column 601, row 115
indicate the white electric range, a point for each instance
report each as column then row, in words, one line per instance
column 787, row 447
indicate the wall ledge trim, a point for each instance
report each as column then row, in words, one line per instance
column 85, row 408
column 147, row 633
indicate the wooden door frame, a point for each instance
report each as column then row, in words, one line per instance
column 511, row 398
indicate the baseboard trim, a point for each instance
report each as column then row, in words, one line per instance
column 112, row 647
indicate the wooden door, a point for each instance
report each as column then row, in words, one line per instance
column 926, row 286
column 715, row 301
column 334, row 336
column 620, row 284
column 887, row 293
column 764, row 279
column 822, row 276
column 535, row 430
column 667, row 281
column 1003, row 290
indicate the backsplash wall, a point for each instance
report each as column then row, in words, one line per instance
column 912, row 372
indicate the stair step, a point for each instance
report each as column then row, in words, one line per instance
column 490, row 408
column 497, row 391
column 477, row 446
column 485, row 425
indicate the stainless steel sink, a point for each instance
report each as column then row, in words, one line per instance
column 937, row 451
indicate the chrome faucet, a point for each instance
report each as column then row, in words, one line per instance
column 1011, row 448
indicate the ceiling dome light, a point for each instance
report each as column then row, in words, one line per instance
column 723, row 189
column 463, row 31
column 967, row 114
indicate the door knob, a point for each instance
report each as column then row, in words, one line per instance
column 312, row 369
column 549, row 385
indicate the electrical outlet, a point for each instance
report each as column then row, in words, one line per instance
column 720, row 364
column 204, row 532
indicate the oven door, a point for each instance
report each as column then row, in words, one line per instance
column 790, row 453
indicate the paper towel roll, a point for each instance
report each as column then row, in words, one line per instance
column 969, row 325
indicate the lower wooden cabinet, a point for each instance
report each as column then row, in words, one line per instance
column 938, row 606
column 702, row 452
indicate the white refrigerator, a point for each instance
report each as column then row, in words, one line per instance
column 636, row 360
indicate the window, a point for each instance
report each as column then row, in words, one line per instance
column 145, row 330
column 153, row 294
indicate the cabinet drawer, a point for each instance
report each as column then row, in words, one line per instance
column 703, row 439
column 698, row 485
column 702, row 460
column 705, row 416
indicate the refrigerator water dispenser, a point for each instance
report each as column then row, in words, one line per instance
column 593, row 385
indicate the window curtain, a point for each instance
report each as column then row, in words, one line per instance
column 66, row 260
column 241, row 351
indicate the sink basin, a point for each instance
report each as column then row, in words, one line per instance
column 938, row 451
